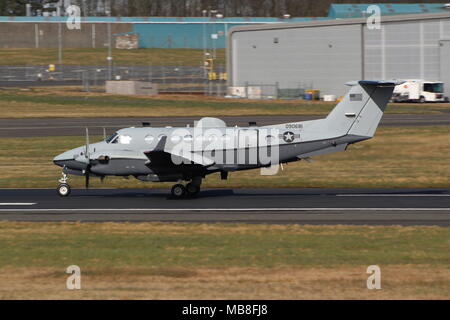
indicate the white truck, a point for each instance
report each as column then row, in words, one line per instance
column 419, row 91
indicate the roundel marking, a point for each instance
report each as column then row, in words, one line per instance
column 288, row 136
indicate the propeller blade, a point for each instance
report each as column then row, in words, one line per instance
column 86, row 174
column 87, row 144
column 88, row 158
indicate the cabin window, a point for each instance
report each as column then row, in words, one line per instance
column 175, row 139
column 187, row 138
column 212, row 138
column 270, row 139
column 149, row 138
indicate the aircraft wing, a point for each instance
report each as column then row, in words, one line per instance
column 159, row 157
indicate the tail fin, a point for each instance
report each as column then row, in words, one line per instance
column 360, row 112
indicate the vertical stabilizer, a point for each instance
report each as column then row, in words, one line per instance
column 360, row 112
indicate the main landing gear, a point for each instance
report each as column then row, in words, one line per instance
column 63, row 188
column 191, row 189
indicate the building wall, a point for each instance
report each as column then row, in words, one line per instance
column 405, row 50
column 410, row 49
column 318, row 57
column 444, row 59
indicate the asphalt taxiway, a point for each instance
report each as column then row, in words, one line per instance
column 274, row 206
column 33, row 127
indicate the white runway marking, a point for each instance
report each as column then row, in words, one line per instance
column 17, row 203
column 393, row 195
column 222, row 209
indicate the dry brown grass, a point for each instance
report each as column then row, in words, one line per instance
column 398, row 282
column 221, row 261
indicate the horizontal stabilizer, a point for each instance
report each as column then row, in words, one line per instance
column 377, row 83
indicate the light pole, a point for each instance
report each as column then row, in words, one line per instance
column 215, row 35
column 109, row 57
column 204, row 42
column 211, row 12
column 59, row 44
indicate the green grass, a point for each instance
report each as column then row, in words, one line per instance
column 92, row 57
column 189, row 245
column 72, row 102
column 396, row 157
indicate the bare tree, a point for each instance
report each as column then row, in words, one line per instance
column 194, row 8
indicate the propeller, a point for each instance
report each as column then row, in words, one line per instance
column 88, row 161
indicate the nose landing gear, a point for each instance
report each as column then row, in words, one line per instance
column 63, row 188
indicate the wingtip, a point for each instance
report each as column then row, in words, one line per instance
column 161, row 144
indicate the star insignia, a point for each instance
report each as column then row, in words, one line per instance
column 288, row 136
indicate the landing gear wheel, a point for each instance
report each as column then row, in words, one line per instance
column 192, row 189
column 63, row 189
column 178, row 191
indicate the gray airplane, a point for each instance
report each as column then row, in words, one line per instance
column 190, row 153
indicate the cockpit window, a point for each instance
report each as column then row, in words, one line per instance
column 112, row 138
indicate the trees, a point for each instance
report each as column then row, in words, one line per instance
column 194, row 8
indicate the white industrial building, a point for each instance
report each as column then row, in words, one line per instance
column 326, row 54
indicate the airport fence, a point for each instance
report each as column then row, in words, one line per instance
column 269, row 91
column 189, row 79
column 170, row 79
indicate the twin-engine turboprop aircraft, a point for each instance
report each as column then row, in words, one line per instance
column 190, row 153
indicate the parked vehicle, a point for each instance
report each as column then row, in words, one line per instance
column 419, row 91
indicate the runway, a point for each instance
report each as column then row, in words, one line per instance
column 272, row 206
column 32, row 127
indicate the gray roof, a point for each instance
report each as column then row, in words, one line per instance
column 338, row 22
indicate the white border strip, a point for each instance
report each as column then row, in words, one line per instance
column 17, row 203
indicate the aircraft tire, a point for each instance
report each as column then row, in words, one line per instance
column 178, row 191
column 63, row 189
column 192, row 189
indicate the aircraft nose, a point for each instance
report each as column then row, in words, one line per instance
column 60, row 159
column 67, row 159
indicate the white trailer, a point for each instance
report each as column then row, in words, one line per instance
column 419, row 91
